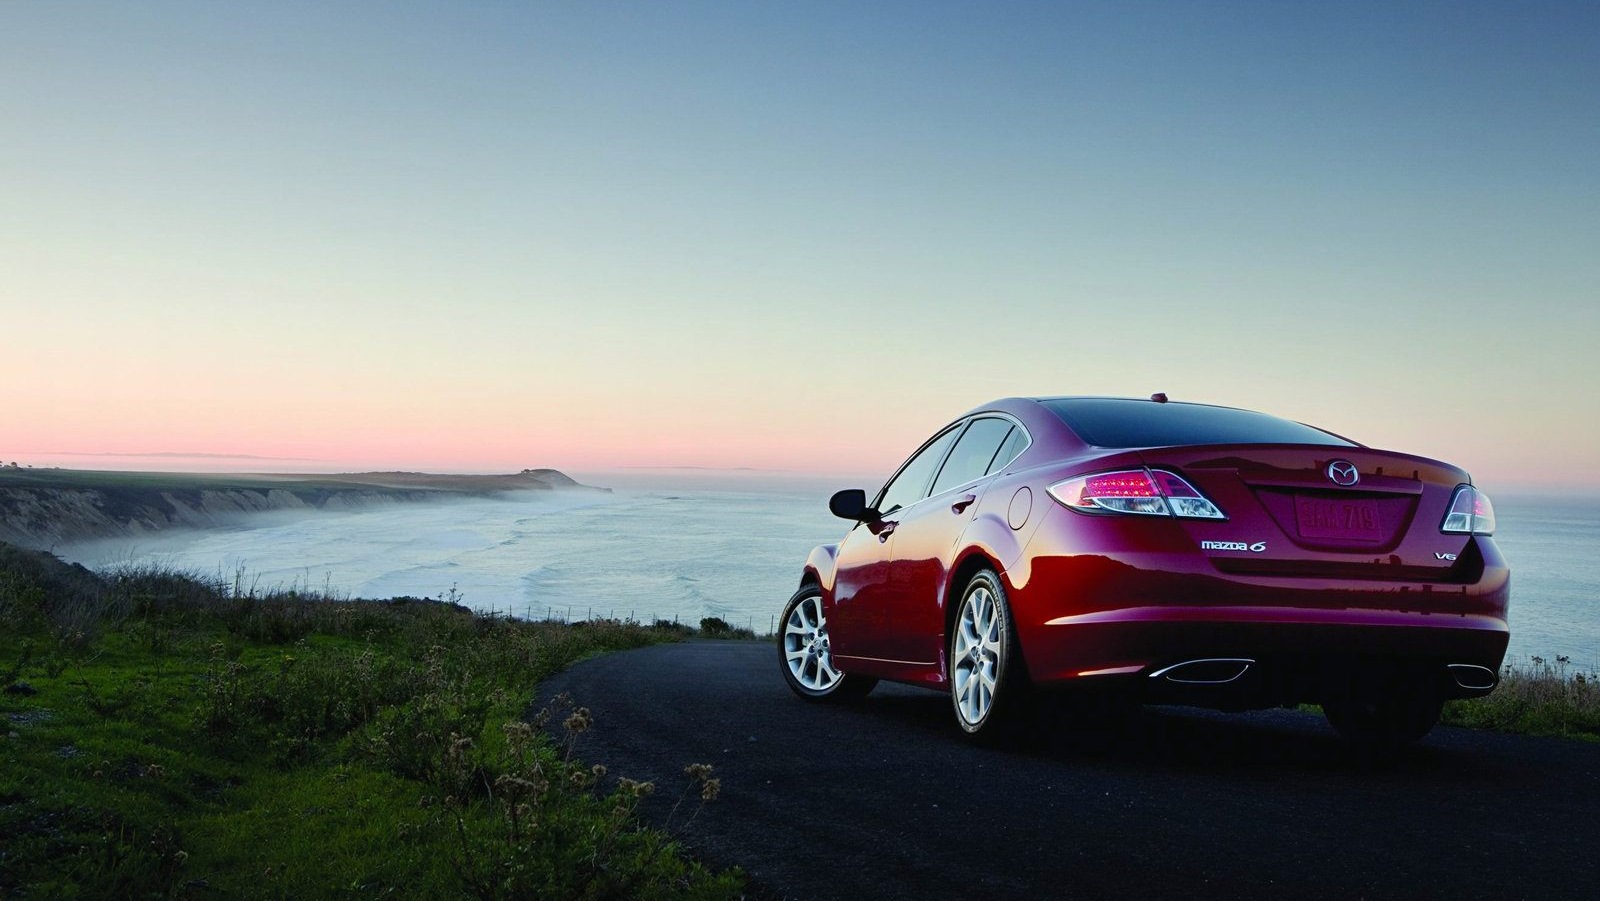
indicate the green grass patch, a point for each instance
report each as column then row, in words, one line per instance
column 182, row 742
column 1541, row 698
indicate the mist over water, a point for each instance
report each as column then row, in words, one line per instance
column 641, row 553
column 728, row 548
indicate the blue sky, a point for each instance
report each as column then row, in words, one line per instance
column 792, row 236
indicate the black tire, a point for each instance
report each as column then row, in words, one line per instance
column 1008, row 714
column 1388, row 721
column 812, row 681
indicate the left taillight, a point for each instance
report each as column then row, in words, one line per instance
column 1143, row 492
column 1470, row 513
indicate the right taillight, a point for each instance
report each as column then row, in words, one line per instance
column 1471, row 513
column 1138, row 491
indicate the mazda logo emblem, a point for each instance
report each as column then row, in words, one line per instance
column 1343, row 472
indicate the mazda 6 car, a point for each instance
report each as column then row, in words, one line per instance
column 1165, row 552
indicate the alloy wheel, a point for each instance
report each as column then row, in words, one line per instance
column 975, row 658
column 806, row 649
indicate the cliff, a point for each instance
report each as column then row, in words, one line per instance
column 45, row 507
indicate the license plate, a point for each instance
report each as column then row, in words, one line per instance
column 1351, row 520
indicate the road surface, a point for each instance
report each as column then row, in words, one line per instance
column 885, row 799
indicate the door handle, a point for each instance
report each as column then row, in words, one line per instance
column 964, row 503
column 886, row 531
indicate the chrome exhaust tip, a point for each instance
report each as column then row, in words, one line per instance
column 1473, row 677
column 1206, row 671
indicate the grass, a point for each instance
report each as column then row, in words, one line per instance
column 107, row 480
column 1542, row 698
column 161, row 736
column 88, row 479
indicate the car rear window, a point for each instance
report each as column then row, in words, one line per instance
column 1115, row 422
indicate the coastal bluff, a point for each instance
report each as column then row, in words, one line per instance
column 41, row 508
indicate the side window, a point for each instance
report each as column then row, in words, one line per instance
column 911, row 485
column 973, row 453
column 1014, row 445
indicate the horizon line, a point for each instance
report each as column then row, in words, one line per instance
column 174, row 455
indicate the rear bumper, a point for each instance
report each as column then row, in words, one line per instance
column 1293, row 655
column 1120, row 618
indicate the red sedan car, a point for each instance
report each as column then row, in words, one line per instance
column 1173, row 552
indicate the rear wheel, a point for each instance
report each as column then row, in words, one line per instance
column 805, row 652
column 1389, row 721
column 988, row 688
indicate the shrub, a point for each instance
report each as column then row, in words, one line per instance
column 717, row 627
column 39, row 590
column 1543, row 698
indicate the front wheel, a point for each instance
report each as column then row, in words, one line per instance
column 805, row 653
column 988, row 685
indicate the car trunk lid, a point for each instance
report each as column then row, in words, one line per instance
column 1322, row 511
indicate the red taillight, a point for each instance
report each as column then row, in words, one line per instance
column 1140, row 491
column 1470, row 513
column 1130, row 491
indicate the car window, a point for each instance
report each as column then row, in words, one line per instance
column 1120, row 422
column 1014, row 445
column 973, row 453
column 911, row 484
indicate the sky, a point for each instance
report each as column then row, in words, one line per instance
column 792, row 237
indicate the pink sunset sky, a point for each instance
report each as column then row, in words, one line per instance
column 483, row 239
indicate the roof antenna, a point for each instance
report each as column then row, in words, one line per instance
column 1159, row 397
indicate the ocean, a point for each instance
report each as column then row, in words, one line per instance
column 1555, row 577
column 731, row 549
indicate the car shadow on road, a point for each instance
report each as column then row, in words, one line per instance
column 1280, row 741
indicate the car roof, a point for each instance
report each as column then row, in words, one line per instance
column 1144, row 400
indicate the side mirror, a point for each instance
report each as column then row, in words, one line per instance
column 850, row 503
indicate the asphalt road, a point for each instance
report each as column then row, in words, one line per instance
column 885, row 799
